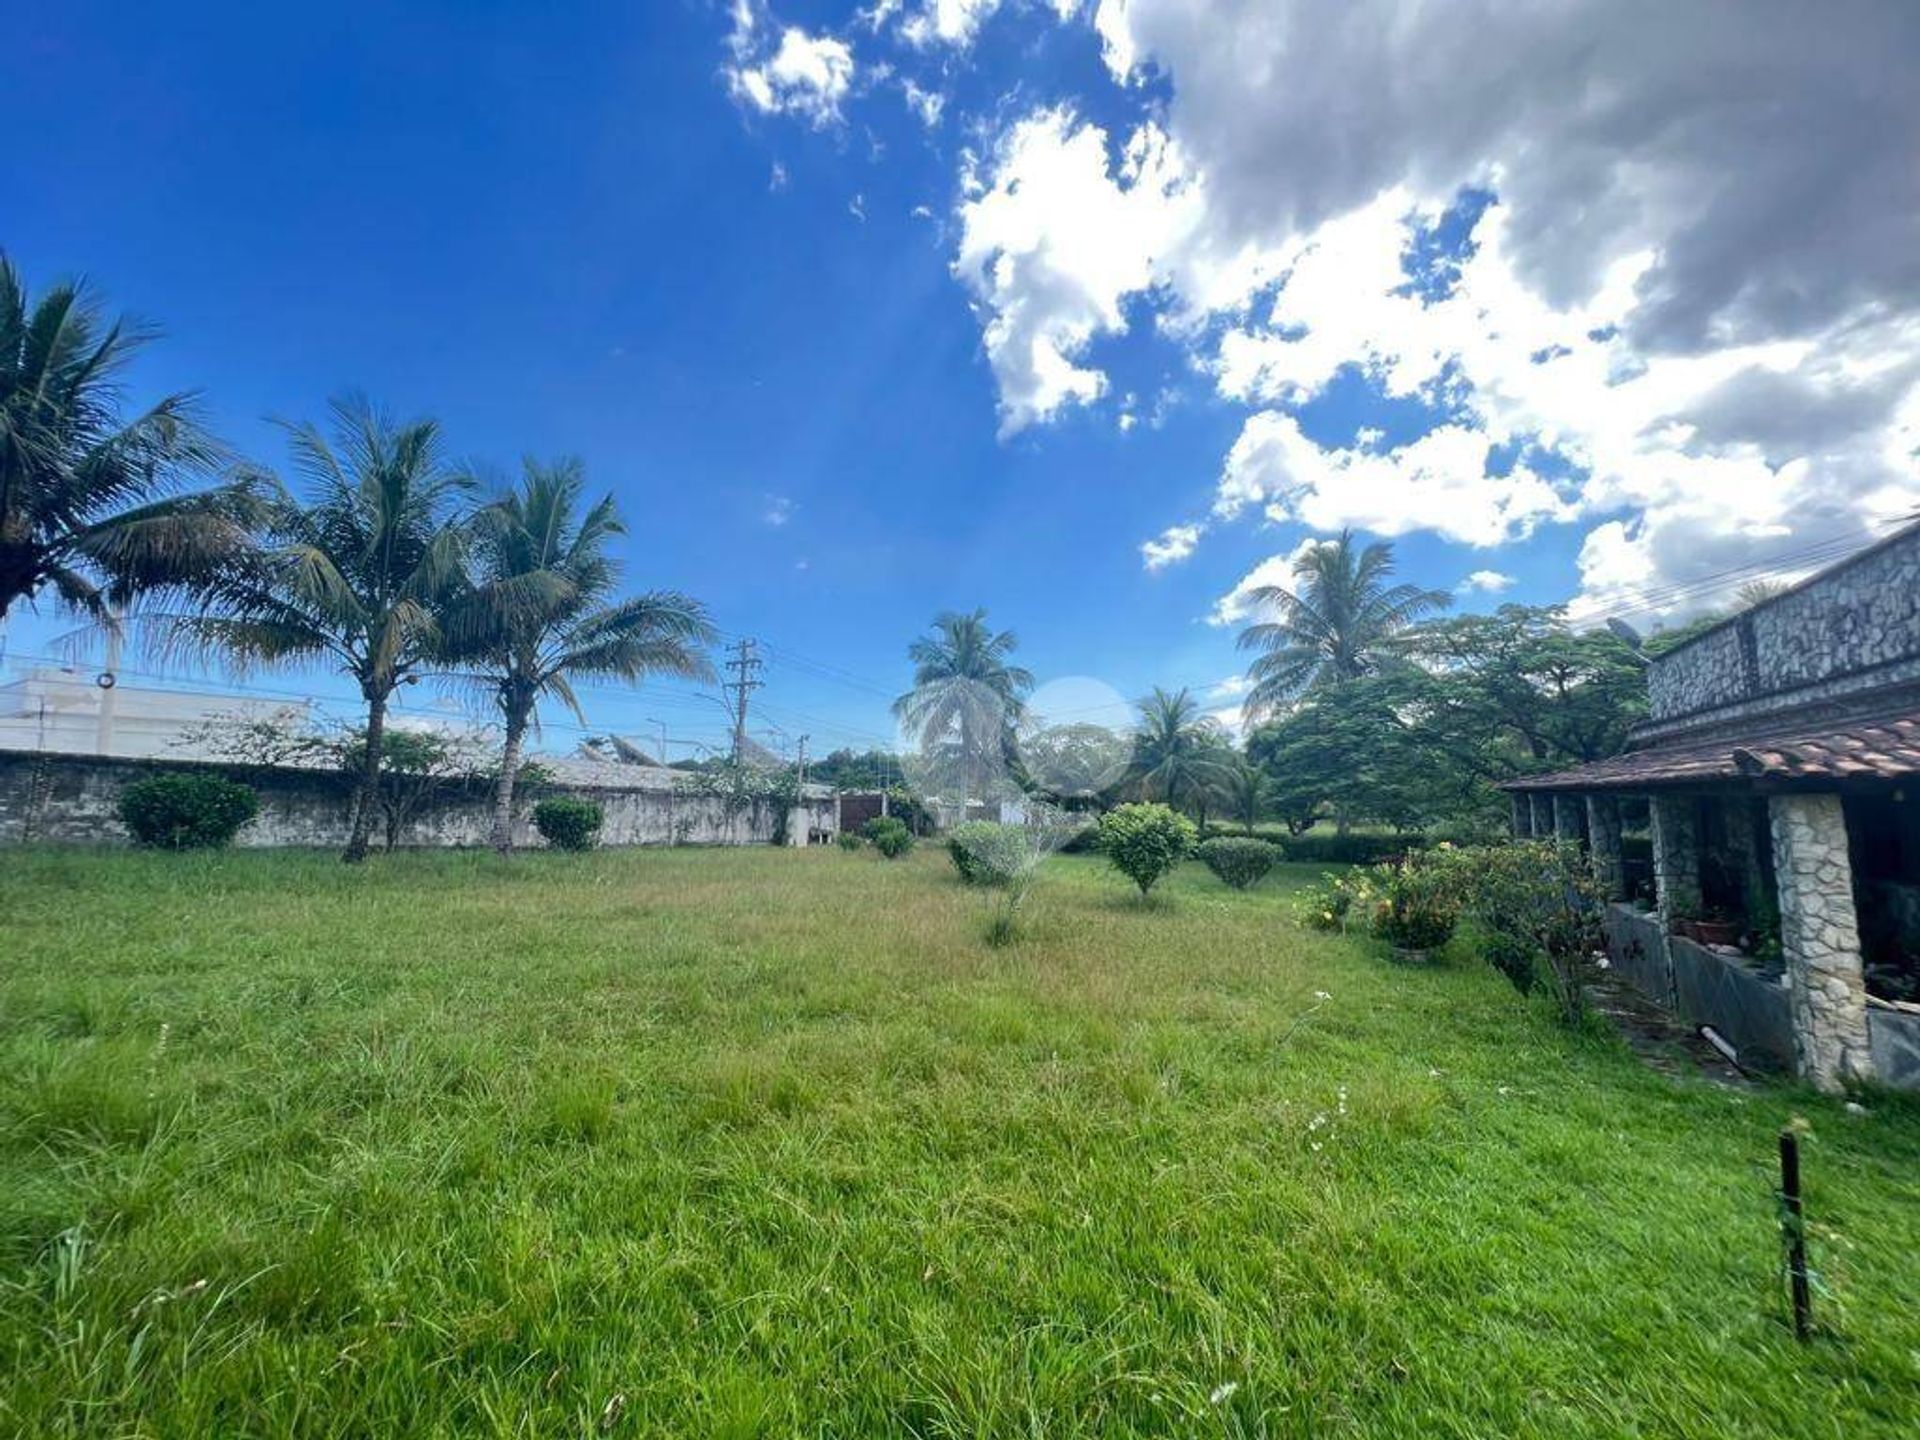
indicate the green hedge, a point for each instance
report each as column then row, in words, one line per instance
column 1238, row 859
column 1349, row 849
column 568, row 824
column 186, row 812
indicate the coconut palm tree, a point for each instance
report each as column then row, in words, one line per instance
column 1180, row 755
column 91, row 501
column 358, row 574
column 1248, row 790
column 966, row 696
column 1343, row 620
column 542, row 613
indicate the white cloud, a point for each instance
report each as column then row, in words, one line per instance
column 1238, row 604
column 1484, row 582
column 1693, row 312
column 778, row 510
column 1438, row 482
column 927, row 104
column 949, row 22
column 1175, row 544
column 799, row 74
column 1052, row 241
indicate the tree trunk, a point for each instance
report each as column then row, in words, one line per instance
column 369, row 797
column 502, row 838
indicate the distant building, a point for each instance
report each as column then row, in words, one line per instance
column 1779, row 777
column 69, row 712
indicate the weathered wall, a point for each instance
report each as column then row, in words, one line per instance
column 1854, row 627
column 74, row 799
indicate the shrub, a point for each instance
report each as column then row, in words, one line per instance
column 1349, row 849
column 567, row 823
column 1537, row 909
column 1239, row 861
column 988, row 853
column 1416, row 903
column 1145, row 842
column 889, row 836
column 186, row 812
column 849, row 840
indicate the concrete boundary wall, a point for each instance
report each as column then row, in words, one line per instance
column 74, row 799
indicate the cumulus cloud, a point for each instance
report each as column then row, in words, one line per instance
column 795, row 73
column 1484, row 582
column 1175, row 544
column 1238, row 604
column 1052, row 240
column 1689, row 317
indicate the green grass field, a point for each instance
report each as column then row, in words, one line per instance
column 770, row 1143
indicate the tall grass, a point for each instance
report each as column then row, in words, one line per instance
column 773, row 1143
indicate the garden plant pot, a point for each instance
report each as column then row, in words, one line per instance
column 1716, row 932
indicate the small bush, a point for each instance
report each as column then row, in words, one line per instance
column 987, row 853
column 1237, row 860
column 567, row 823
column 850, row 840
column 1417, row 903
column 1349, row 849
column 1145, row 842
column 186, row 812
column 890, row 837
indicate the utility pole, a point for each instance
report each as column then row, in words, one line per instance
column 803, row 760
column 745, row 667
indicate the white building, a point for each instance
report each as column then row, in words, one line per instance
column 69, row 712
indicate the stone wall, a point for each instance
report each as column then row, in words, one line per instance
column 1853, row 627
column 73, row 799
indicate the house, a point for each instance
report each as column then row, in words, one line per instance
column 1777, row 779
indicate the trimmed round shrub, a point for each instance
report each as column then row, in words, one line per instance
column 849, row 840
column 1238, row 859
column 988, row 853
column 1145, row 842
column 890, row 837
column 567, row 823
column 187, row 812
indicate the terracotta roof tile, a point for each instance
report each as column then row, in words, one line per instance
column 1877, row 748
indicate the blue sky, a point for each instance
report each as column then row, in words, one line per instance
column 718, row 252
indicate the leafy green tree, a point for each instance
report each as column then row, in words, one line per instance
column 1519, row 690
column 1180, row 755
column 91, row 501
column 542, row 612
column 1342, row 621
column 359, row 573
column 1144, row 842
column 966, row 696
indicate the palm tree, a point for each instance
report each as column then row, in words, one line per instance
column 965, row 693
column 1342, row 621
column 90, row 500
column 1180, row 756
column 359, row 574
column 1247, row 791
column 541, row 613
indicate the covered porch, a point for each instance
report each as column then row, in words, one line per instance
column 1768, row 888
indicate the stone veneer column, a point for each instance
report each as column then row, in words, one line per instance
column 1522, row 815
column 1568, row 813
column 1676, row 856
column 1542, row 815
column 1603, row 846
column 1820, row 939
